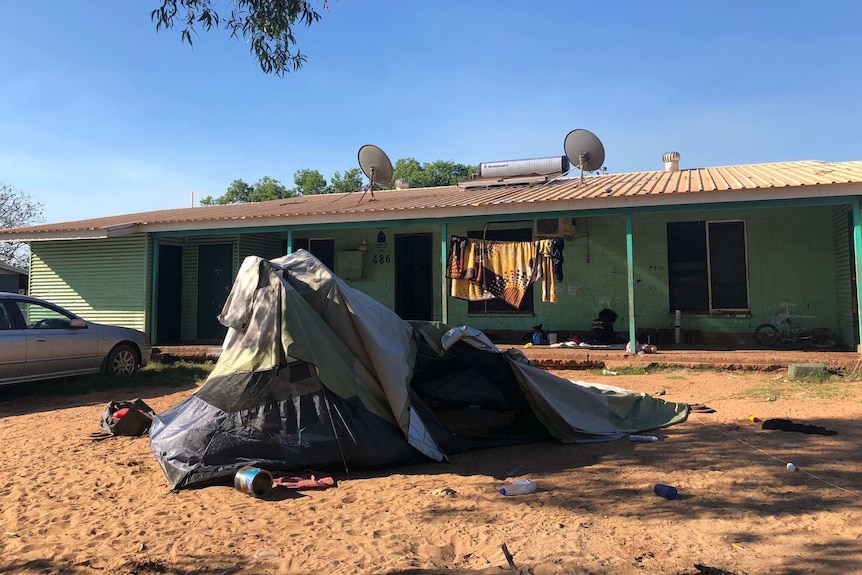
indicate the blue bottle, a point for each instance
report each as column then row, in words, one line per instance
column 666, row 491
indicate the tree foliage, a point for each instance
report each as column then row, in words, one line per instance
column 266, row 25
column 240, row 192
column 17, row 209
column 351, row 181
column 430, row 174
column 308, row 182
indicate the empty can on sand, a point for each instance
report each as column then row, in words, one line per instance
column 253, row 481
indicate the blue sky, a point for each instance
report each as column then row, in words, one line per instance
column 101, row 115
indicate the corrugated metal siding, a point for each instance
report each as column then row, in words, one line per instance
column 843, row 275
column 189, row 323
column 101, row 280
column 267, row 246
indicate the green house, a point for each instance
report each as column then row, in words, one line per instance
column 723, row 249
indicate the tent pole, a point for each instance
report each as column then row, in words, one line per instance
column 334, row 431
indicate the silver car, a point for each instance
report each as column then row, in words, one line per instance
column 39, row 340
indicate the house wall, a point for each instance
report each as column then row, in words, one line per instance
column 798, row 255
column 101, row 280
column 378, row 273
column 791, row 257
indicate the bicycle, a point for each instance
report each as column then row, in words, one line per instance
column 784, row 332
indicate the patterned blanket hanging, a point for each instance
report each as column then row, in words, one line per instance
column 488, row 269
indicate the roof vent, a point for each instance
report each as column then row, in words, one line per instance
column 671, row 161
column 402, row 184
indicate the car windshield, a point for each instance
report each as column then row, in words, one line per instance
column 38, row 316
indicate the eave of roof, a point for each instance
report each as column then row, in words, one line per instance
column 752, row 182
column 13, row 269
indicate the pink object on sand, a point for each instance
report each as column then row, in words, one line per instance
column 306, row 480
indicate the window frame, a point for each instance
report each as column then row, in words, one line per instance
column 711, row 308
column 306, row 244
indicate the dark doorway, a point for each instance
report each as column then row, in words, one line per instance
column 854, row 300
column 169, row 294
column 215, row 275
column 414, row 283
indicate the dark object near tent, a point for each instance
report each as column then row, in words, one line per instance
column 314, row 374
column 787, row 425
column 132, row 417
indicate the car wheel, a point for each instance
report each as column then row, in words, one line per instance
column 122, row 361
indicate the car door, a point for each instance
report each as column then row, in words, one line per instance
column 53, row 346
column 13, row 344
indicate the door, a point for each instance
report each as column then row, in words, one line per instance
column 414, row 282
column 13, row 345
column 215, row 275
column 169, row 294
column 53, row 347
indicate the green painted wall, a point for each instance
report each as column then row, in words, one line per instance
column 794, row 254
column 105, row 281
column 792, row 257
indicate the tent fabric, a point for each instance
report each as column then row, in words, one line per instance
column 314, row 374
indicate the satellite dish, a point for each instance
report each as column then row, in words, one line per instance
column 376, row 165
column 585, row 150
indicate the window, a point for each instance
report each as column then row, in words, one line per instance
column 322, row 249
column 38, row 316
column 496, row 305
column 707, row 266
column 5, row 319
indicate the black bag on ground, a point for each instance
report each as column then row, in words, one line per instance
column 136, row 420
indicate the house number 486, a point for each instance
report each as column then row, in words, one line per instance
column 381, row 259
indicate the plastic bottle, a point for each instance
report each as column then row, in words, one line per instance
column 643, row 438
column 666, row 491
column 519, row 487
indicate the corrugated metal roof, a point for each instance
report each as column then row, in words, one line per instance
column 630, row 188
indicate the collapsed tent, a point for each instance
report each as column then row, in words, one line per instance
column 314, row 374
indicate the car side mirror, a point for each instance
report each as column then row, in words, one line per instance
column 78, row 324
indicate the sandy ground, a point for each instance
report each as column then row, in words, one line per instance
column 70, row 505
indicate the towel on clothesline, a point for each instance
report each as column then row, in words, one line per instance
column 487, row 269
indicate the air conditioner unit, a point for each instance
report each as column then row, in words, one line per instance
column 555, row 227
